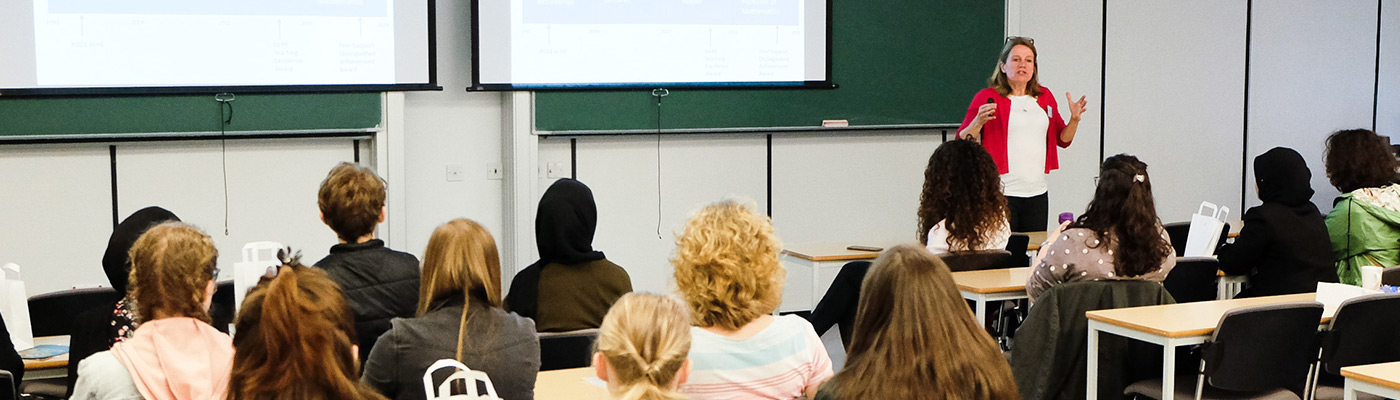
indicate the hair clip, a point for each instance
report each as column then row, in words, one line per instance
column 1139, row 178
column 289, row 257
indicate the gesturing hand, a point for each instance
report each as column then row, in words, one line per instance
column 1076, row 108
column 986, row 112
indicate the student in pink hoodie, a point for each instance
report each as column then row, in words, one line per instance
column 175, row 354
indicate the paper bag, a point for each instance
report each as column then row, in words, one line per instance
column 444, row 392
column 1205, row 229
column 14, row 306
column 257, row 258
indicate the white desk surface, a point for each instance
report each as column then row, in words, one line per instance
column 992, row 280
column 1385, row 375
column 569, row 384
column 1189, row 319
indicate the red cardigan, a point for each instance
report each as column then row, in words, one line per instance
column 994, row 132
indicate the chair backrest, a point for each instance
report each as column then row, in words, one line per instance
column 1391, row 276
column 1016, row 245
column 563, row 350
column 1178, row 231
column 978, row 260
column 1364, row 331
column 1193, row 279
column 51, row 314
column 1263, row 347
column 7, row 386
column 221, row 311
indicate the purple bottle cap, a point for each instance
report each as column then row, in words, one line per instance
column 1066, row 216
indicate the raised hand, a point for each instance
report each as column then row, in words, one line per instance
column 1076, row 108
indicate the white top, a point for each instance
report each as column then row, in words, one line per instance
column 102, row 377
column 938, row 239
column 779, row 362
column 1025, row 148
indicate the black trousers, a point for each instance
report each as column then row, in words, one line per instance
column 838, row 306
column 1029, row 214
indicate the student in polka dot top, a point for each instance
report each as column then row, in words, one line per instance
column 1117, row 237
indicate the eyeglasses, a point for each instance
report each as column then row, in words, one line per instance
column 1010, row 39
column 216, row 273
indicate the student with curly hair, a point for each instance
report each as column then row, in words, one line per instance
column 727, row 269
column 961, row 208
column 295, row 339
column 643, row 346
column 1117, row 237
column 915, row 338
column 175, row 353
column 1364, row 224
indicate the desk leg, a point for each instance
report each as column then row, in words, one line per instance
column 1091, row 387
column 1168, row 371
column 981, row 310
column 1348, row 390
column 816, row 286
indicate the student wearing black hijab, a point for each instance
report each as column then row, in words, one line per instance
column 1283, row 247
column 572, row 286
column 98, row 329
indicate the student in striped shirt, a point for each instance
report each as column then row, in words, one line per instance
column 727, row 269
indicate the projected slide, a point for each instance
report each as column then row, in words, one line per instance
column 586, row 42
column 213, row 42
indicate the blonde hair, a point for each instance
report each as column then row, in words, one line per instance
column 171, row 266
column 1001, row 83
column 727, row 265
column 461, row 260
column 646, row 339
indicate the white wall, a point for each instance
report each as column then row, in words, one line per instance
column 1312, row 72
column 1388, row 105
column 56, row 205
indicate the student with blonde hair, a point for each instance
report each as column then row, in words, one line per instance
column 727, row 270
column 460, row 316
column 643, row 346
column 295, row 340
column 175, row 353
column 915, row 338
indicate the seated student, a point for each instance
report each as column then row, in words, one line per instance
column 727, row 269
column 380, row 283
column 98, row 329
column 572, row 286
column 295, row 339
column 643, row 346
column 9, row 358
column 459, row 317
column 1118, row 237
column 1283, row 246
column 961, row 208
column 1364, row 224
column 915, row 339
column 174, row 353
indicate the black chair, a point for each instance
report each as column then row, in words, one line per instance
column 51, row 314
column 564, row 350
column 7, row 386
column 978, row 260
column 1193, row 279
column 1260, row 352
column 1017, row 245
column 221, row 310
column 1391, row 276
column 1364, row 331
column 1178, row 231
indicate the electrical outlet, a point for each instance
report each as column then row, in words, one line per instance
column 553, row 170
column 494, row 172
column 456, row 172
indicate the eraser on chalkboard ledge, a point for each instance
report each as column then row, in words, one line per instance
column 835, row 123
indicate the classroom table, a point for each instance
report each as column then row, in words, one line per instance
column 1378, row 379
column 1172, row 325
column 821, row 261
column 570, row 384
column 48, row 368
column 991, row 285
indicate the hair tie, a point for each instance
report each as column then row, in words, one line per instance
column 1139, row 178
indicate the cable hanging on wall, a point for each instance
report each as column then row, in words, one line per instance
column 658, row 94
column 225, row 101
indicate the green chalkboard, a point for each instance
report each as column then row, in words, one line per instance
column 897, row 62
column 137, row 116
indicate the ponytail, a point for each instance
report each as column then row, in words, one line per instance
column 646, row 339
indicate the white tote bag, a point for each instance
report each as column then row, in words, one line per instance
column 1205, row 230
column 444, row 391
column 14, row 305
column 257, row 258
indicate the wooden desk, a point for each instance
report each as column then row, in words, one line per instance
column 48, row 368
column 991, row 285
column 569, row 384
column 1378, row 379
column 1171, row 325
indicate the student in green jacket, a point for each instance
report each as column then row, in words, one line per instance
column 1364, row 224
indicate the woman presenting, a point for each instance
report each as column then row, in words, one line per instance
column 1018, row 122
